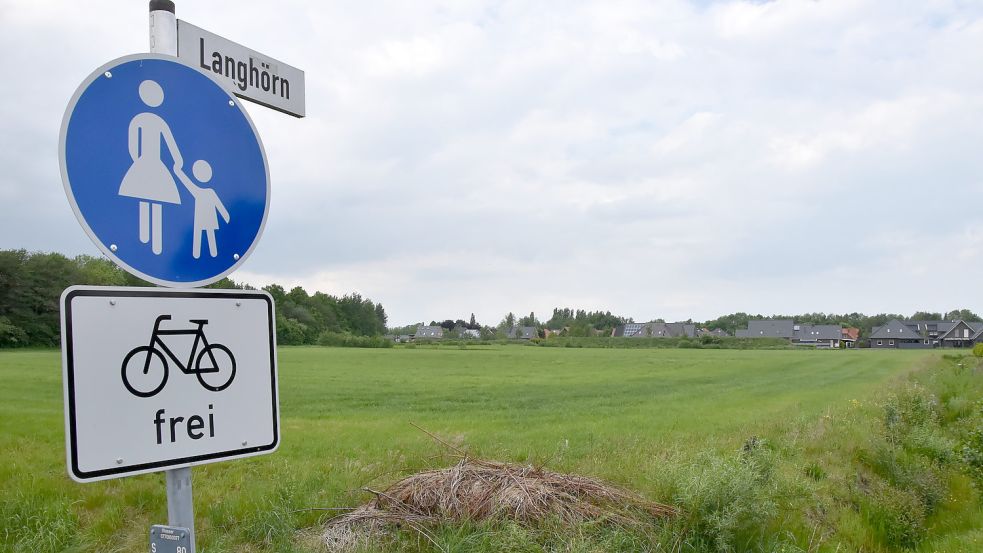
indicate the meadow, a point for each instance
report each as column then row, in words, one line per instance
column 674, row 425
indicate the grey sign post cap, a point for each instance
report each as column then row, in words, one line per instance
column 162, row 5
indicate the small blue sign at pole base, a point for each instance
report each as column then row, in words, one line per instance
column 164, row 170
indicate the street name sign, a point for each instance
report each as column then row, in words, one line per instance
column 165, row 170
column 157, row 379
column 250, row 75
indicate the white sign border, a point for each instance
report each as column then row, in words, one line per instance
column 68, row 381
column 104, row 248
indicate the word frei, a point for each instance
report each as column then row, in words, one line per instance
column 263, row 76
column 194, row 426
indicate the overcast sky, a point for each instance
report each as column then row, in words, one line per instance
column 657, row 159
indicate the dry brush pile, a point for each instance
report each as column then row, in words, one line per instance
column 474, row 490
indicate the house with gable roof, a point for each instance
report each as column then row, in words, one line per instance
column 427, row 332
column 961, row 335
column 926, row 334
column 899, row 335
column 820, row 336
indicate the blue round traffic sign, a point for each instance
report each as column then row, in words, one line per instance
column 165, row 170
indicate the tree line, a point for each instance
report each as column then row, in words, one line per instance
column 32, row 282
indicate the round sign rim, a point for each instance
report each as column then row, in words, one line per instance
column 66, row 182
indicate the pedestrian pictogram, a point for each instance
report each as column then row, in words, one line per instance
column 164, row 170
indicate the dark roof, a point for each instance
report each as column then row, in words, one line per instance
column 770, row 328
column 939, row 326
column 424, row 331
column 811, row 333
column 658, row 330
column 628, row 329
column 894, row 329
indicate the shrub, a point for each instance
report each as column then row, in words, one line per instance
column 896, row 517
column 978, row 350
column 931, row 443
column 910, row 474
column 728, row 501
column 11, row 335
column 910, row 407
column 971, row 455
column 347, row 340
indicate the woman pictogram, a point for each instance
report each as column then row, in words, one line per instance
column 148, row 179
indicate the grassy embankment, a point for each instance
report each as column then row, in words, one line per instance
column 765, row 450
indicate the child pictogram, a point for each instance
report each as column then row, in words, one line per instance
column 207, row 207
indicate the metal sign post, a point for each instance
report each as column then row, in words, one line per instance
column 180, row 507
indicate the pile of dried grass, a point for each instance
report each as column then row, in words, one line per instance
column 476, row 490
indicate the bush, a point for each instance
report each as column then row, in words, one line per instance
column 971, row 454
column 11, row 335
column 896, row 517
column 910, row 407
column 348, row 340
column 978, row 350
column 728, row 501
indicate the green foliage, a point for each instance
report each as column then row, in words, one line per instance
column 583, row 323
column 31, row 285
column 971, row 454
column 978, row 350
column 910, row 407
column 349, row 340
column 11, row 335
column 896, row 518
column 728, row 500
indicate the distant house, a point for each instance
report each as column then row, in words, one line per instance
column 896, row 334
column 522, row 333
column 429, row 333
column 718, row 332
column 655, row 330
column 926, row 334
column 960, row 335
column 820, row 336
column 850, row 336
column 471, row 333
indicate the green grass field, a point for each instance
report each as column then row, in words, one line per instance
column 634, row 417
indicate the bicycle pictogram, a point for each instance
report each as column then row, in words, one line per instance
column 145, row 368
